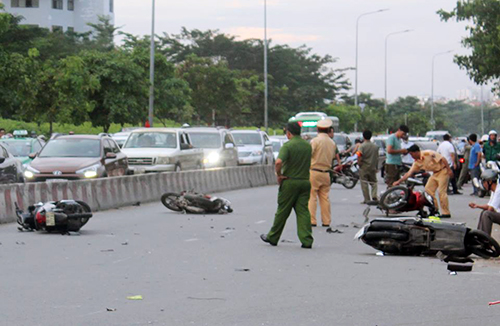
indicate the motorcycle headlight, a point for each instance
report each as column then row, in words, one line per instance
column 163, row 160
column 30, row 172
column 256, row 153
column 212, row 158
column 89, row 172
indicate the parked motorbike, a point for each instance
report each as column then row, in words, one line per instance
column 347, row 173
column 403, row 198
column 416, row 236
column 55, row 216
column 192, row 202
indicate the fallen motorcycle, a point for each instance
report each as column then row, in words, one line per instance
column 416, row 236
column 55, row 216
column 192, row 202
column 403, row 198
column 346, row 174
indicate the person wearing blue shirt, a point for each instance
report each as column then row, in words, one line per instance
column 474, row 160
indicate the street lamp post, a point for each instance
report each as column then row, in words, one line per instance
column 266, row 90
column 152, row 69
column 357, row 42
column 385, row 79
column 356, row 73
column 433, row 122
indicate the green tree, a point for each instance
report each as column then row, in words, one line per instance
column 483, row 62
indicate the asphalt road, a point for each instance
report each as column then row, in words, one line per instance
column 214, row 270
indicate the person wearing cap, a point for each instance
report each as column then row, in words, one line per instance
column 491, row 148
column 393, row 161
column 292, row 171
column 491, row 211
column 368, row 161
column 324, row 150
column 434, row 162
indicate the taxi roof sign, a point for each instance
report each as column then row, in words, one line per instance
column 20, row 133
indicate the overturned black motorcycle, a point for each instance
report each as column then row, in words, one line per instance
column 55, row 216
column 195, row 203
column 416, row 236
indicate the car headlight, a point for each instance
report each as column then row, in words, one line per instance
column 212, row 158
column 89, row 172
column 30, row 172
column 256, row 153
column 163, row 160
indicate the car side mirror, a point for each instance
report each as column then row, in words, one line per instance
column 229, row 145
column 185, row 146
column 32, row 155
column 2, row 159
column 110, row 155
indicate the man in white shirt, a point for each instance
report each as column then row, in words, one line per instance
column 447, row 150
column 490, row 212
column 405, row 144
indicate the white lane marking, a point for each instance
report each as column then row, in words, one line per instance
column 260, row 222
column 192, row 240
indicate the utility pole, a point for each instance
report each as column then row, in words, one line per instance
column 266, row 89
column 152, row 69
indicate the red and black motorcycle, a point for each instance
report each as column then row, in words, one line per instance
column 403, row 198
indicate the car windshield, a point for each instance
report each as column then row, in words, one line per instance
column 339, row 139
column 151, row 140
column 205, row 139
column 72, row 147
column 243, row 139
column 19, row 148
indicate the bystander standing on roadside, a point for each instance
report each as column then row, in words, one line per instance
column 292, row 171
column 393, row 161
column 464, row 172
column 368, row 160
column 448, row 151
column 323, row 154
column 474, row 161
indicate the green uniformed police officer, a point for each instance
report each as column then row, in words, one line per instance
column 292, row 171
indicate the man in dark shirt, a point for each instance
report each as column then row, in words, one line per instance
column 368, row 160
column 292, row 171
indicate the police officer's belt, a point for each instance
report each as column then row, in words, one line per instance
column 322, row 171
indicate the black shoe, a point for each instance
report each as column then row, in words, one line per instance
column 306, row 247
column 457, row 193
column 313, row 225
column 326, row 225
column 445, row 216
column 265, row 239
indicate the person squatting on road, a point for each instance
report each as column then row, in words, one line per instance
column 491, row 212
column 393, row 161
column 367, row 161
column 292, row 170
column 324, row 150
column 434, row 162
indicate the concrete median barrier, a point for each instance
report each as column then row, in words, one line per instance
column 108, row 193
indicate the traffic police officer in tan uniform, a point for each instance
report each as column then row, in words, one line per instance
column 434, row 162
column 323, row 153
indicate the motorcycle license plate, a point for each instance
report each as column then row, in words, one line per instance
column 50, row 219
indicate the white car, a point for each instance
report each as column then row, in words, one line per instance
column 217, row 144
column 277, row 142
column 161, row 150
column 254, row 147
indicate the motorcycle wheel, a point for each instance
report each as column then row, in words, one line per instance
column 350, row 181
column 86, row 209
column 168, row 200
column 394, row 198
column 378, row 235
column 481, row 244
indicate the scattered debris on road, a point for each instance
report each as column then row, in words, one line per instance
column 493, row 303
column 287, row 241
column 361, row 262
column 453, row 273
column 110, row 309
column 125, row 243
column 242, row 269
column 135, row 297
column 330, row 230
column 20, row 243
column 342, row 226
column 107, row 250
column 380, row 253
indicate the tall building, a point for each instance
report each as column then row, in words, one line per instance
column 61, row 14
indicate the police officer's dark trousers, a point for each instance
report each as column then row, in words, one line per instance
column 293, row 194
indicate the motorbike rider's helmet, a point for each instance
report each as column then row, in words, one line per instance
column 489, row 175
column 492, row 132
column 484, row 138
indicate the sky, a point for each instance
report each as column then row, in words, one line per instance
column 329, row 27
